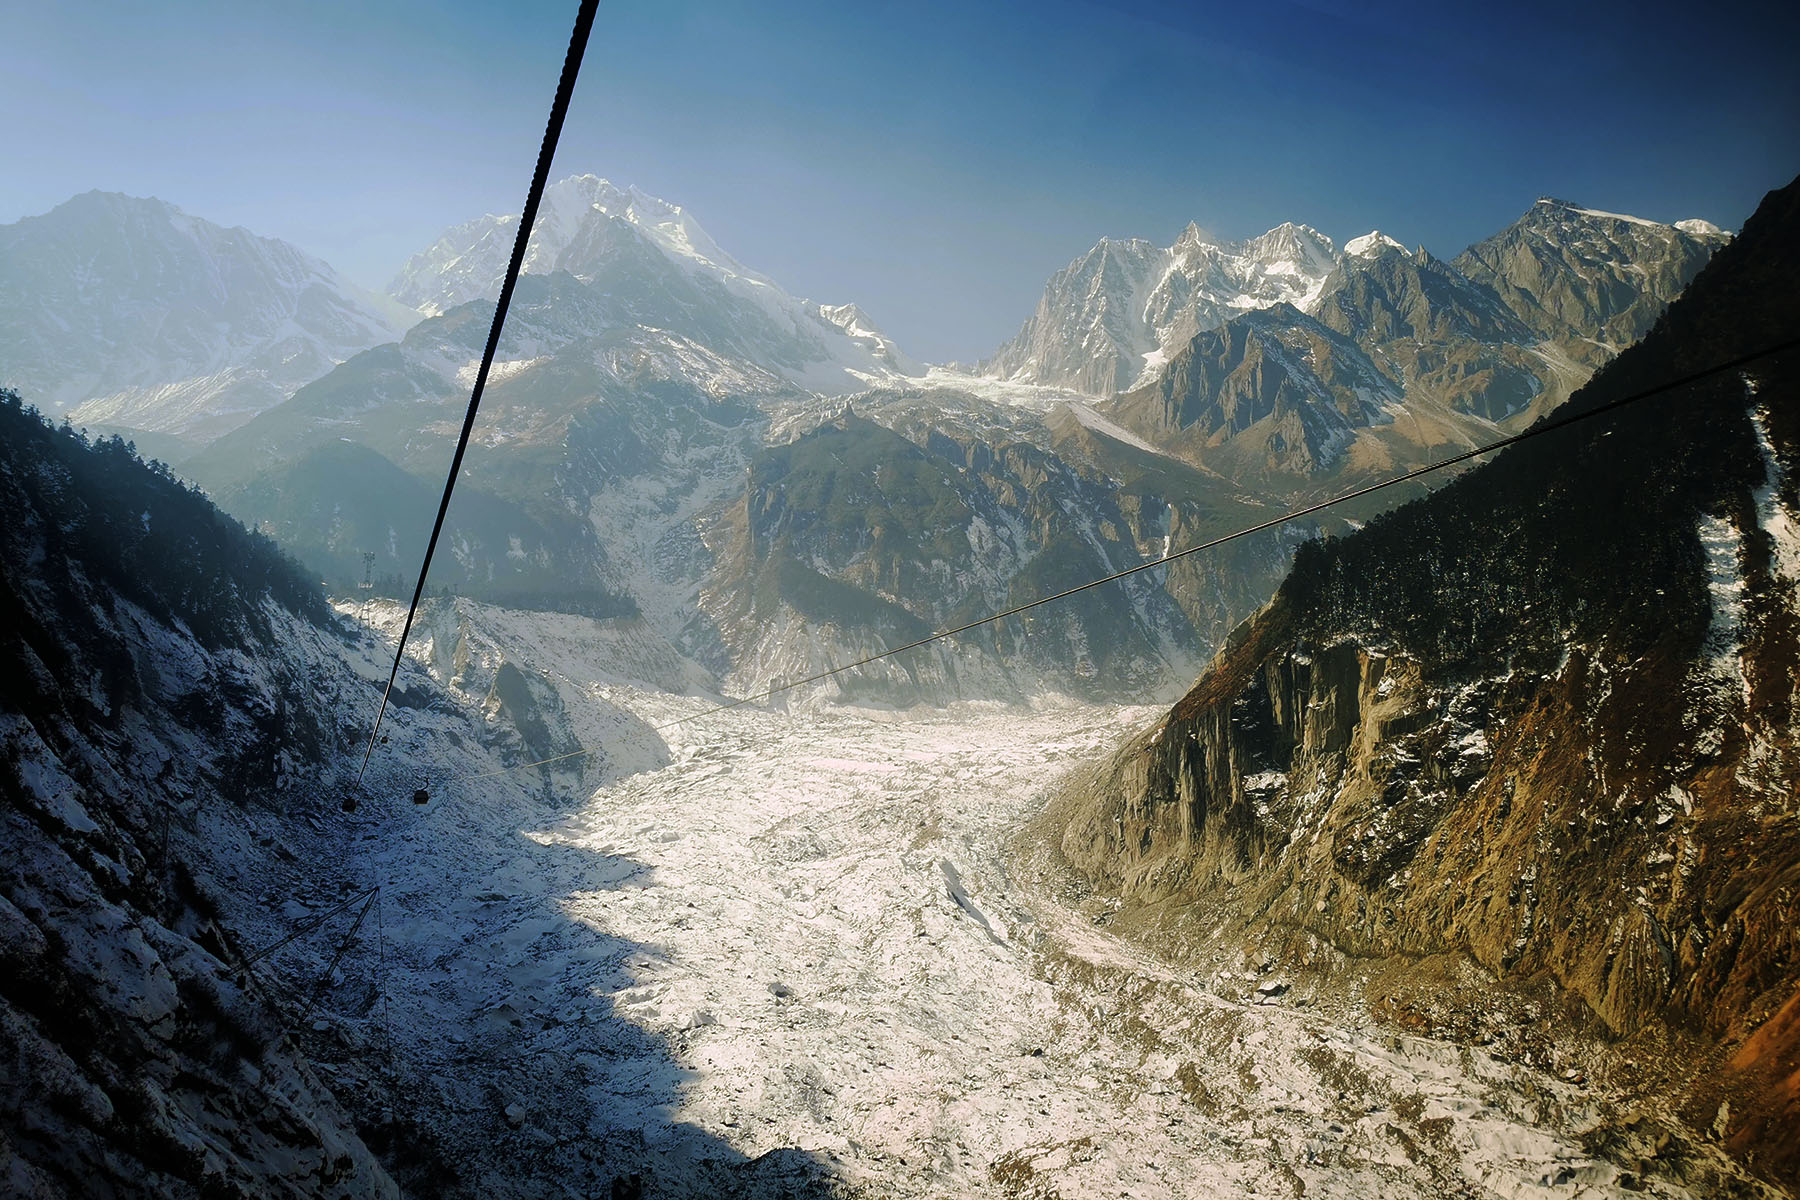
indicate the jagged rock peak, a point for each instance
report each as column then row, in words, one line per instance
column 1194, row 235
column 1291, row 241
column 1112, row 317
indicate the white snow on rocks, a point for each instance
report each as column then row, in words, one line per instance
column 1723, row 547
column 1371, row 244
column 1776, row 518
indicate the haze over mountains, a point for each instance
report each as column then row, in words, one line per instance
column 658, row 410
column 130, row 312
column 662, row 269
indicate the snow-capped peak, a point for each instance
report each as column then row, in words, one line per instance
column 1193, row 235
column 646, row 257
column 469, row 261
column 1289, row 239
column 1371, row 245
column 668, row 225
column 128, row 311
column 1695, row 227
column 850, row 318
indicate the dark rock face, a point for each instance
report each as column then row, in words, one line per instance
column 1437, row 331
column 1545, row 718
column 861, row 531
column 865, row 533
column 1337, row 790
column 1284, row 390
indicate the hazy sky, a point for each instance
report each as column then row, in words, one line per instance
column 934, row 162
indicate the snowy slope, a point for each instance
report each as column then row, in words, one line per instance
column 131, row 312
column 597, row 231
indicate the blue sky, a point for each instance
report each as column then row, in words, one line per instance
column 934, row 162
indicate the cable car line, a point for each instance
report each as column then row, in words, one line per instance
column 559, row 108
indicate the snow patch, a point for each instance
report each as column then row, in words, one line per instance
column 1112, row 429
column 1695, row 227
column 1596, row 212
column 1775, row 517
column 499, row 372
column 1371, row 244
column 1723, row 547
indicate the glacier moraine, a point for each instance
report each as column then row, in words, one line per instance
column 792, row 949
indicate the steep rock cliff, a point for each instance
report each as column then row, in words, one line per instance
column 1545, row 719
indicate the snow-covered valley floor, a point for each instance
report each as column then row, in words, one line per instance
column 795, row 955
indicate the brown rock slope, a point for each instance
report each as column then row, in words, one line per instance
column 1544, row 720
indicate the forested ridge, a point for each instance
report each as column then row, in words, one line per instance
column 135, row 530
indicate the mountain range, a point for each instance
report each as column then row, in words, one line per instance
column 1115, row 317
column 1510, row 768
column 663, row 431
column 130, row 313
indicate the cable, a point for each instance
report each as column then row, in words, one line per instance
column 1537, row 430
column 559, row 108
column 324, row 980
column 305, row 927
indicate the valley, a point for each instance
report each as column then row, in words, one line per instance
column 800, row 956
column 1441, row 844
